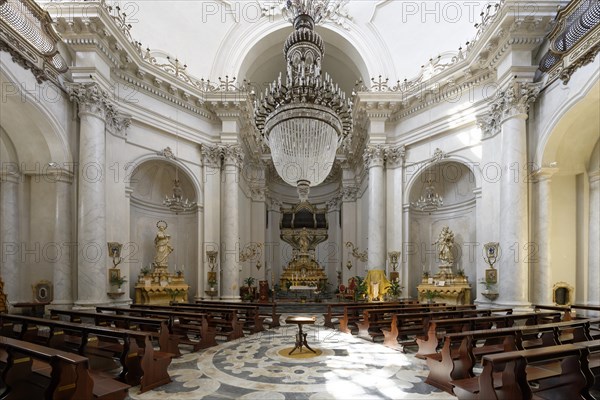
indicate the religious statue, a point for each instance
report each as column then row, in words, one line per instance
column 303, row 241
column 162, row 246
column 445, row 244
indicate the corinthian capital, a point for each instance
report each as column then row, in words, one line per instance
column 211, row 156
column 92, row 99
column 508, row 103
column 232, row 155
column 374, row 156
column 349, row 193
column 394, row 156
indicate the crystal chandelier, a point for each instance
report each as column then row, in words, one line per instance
column 431, row 201
column 176, row 202
column 304, row 120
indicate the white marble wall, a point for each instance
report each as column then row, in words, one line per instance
column 594, row 240
column 10, row 263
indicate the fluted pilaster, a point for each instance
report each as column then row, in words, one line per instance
column 374, row 158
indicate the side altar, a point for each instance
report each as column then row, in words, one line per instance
column 445, row 286
column 159, row 286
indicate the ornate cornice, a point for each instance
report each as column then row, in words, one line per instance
column 395, row 156
column 374, row 156
column 513, row 101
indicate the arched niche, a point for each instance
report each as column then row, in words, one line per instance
column 570, row 153
column 151, row 181
column 455, row 183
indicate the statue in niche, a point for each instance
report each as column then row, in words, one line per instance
column 303, row 242
column 162, row 246
column 445, row 244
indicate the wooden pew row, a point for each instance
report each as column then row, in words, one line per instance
column 140, row 363
column 225, row 320
column 439, row 327
column 266, row 310
column 336, row 311
column 39, row 372
column 353, row 313
column 404, row 325
column 247, row 313
column 191, row 329
column 375, row 320
column 159, row 327
column 462, row 350
column 555, row 372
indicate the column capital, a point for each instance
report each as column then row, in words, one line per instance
column 335, row 203
column 374, row 156
column 92, row 99
column 594, row 176
column 10, row 177
column 232, row 155
column 258, row 193
column 211, row 156
column 274, row 204
column 511, row 102
column 395, row 156
column 117, row 124
column 544, row 174
column 349, row 193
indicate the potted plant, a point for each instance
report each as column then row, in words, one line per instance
column 247, row 292
column 430, row 295
column 361, row 289
column 212, row 284
column 117, row 282
column 395, row 290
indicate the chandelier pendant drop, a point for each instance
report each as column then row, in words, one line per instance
column 305, row 119
column 176, row 203
column 431, row 201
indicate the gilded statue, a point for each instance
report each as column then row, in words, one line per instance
column 162, row 246
column 445, row 243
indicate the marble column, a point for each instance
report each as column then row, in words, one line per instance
column 514, row 263
column 211, row 224
column 594, row 239
column 63, row 267
column 230, row 246
column 94, row 109
column 394, row 161
column 10, row 260
column 348, row 231
column 374, row 160
column 542, row 271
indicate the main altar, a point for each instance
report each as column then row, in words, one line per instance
column 156, row 285
column 303, row 227
column 445, row 286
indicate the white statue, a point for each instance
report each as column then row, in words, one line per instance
column 162, row 246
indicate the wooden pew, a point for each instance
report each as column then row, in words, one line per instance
column 559, row 372
column 31, row 371
column 224, row 320
column 249, row 314
column 430, row 343
column 159, row 327
column 191, row 328
column 267, row 310
column 335, row 311
column 375, row 320
column 352, row 313
column 461, row 350
column 402, row 325
column 141, row 365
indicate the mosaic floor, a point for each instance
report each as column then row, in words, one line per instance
column 252, row 368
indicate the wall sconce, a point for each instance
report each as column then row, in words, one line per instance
column 212, row 258
column 258, row 265
column 114, row 250
column 250, row 251
column 349, row 265
column 394, row 256
column 356, row 253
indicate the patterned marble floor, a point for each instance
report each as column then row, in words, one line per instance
column 251, row 368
